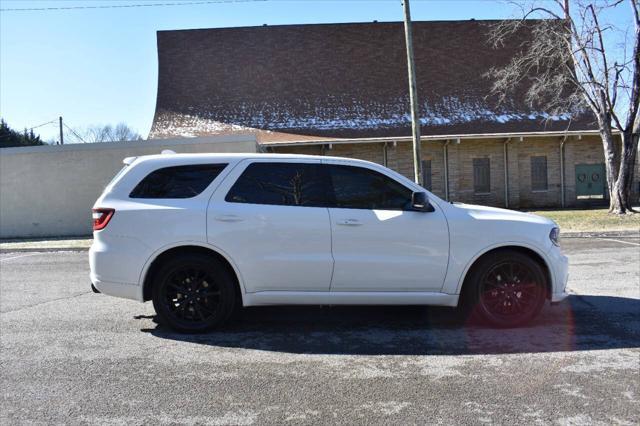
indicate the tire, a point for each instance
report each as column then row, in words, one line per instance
column 505, row 289
column 193, row 293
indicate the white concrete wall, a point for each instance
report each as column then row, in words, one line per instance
column 48, row 191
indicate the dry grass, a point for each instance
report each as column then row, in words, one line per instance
column 593, row 220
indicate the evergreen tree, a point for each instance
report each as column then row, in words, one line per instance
column 11, row 138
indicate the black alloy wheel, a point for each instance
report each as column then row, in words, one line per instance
column 508, row 289
column 193, row 293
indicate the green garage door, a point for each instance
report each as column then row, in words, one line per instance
column 590, row 180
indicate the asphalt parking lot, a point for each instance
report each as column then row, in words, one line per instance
column 71, row 356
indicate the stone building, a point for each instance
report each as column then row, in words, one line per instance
column 341, row 90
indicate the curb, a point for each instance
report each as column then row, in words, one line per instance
column 43, row 249
column 610, row 234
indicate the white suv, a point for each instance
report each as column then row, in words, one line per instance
column 200, row 234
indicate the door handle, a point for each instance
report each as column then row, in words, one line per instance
column 350, row 222
column 228, row 218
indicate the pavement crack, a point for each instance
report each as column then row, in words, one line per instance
column 45, row 302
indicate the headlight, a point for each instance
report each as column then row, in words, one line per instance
column 554, row 236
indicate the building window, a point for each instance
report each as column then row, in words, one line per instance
column 426, row 174
column 539, row 173
column 481, row 175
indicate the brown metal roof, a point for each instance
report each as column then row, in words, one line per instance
column 337, row 81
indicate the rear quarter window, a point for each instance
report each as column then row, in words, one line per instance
column 177, row 181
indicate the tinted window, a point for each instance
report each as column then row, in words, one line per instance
column 481, row 175
column 177, row 181
column 287, row 184
column 539, row 173
column 360, row 188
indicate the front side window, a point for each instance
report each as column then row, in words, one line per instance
column 286, row 184
column 177, row 181
column 360, row 188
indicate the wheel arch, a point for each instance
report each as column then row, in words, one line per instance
column 534, row 253
column 154, row 262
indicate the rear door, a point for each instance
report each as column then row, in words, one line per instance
column 270, row 218
column 378, row 244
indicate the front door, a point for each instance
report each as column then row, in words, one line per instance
column 265, row 217
column 590, row 180
column 377, row 243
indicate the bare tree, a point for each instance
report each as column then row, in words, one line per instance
column 107, row 133
column 577, row 60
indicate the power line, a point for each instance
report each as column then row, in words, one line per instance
column 174, row 3
column 40, row 125
column 74, row 132
column 30, row 128
column 122, row 6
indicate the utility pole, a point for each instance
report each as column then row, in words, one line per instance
column 61, row 134
column 413, row 95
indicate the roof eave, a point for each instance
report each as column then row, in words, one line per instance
column 338, row 141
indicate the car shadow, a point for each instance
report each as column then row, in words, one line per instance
column 580, row 323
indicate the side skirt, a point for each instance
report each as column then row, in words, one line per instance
column 262, row 298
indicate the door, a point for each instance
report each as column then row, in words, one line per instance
column 590, row 180
column 265, row 216
column 377, row 243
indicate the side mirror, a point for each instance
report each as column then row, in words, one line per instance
column 420, row 202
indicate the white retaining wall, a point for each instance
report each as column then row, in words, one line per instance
column 48, row 191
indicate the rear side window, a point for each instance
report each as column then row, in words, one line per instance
column 285, row 184
column 177, row 182
column 360, row 188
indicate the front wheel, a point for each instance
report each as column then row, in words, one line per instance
column 506, row 289
column 193, row 293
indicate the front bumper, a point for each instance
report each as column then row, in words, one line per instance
column 559, row 297
column 560, row 271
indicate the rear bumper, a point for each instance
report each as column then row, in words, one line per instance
column 126, row 291
column 116, row 264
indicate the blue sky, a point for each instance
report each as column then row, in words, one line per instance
column 99, row 66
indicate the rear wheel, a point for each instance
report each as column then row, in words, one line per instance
column 193, row 293
column 506, row 289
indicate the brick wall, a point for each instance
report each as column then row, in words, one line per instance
column 538, row 147
column 461, row 182
column 587, row 150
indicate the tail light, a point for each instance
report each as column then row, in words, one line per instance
column 101, row 218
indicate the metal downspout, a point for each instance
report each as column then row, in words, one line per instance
column 506, row 172
column 562, row 191
column 385, row 155
column 445, row 152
